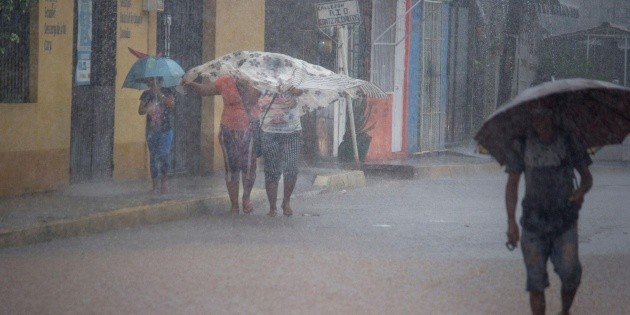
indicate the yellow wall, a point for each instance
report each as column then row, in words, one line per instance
column 240, row 25
column 35, row 137
column 130, row 152
column 228, row 26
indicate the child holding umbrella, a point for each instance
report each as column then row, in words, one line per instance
column 157, row 104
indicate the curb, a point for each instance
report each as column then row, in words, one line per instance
column 116, row 219
column 455, row 170
column 434, row 171
column 390, row 170
column 339, row 181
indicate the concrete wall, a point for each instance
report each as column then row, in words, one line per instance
column 35, row 137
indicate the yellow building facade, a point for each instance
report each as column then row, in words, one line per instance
column 35, row 136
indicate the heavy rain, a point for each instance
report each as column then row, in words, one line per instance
column 314, row 157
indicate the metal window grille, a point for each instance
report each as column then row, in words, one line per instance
column 384, row 50
column 14, row 62
column 431, row 114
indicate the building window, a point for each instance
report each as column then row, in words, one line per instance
column 384, row 41
column 15, row 40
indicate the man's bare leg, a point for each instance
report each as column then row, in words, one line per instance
column 164, row 183
column 567, row 300
column 537, row 302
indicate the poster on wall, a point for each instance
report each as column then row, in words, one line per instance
column 84, row 42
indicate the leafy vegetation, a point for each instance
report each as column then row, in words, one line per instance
column 362, row 112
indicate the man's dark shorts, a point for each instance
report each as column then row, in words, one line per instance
column 562, row 250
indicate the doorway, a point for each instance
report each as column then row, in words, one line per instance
column 92, row 118
column 434, row 47
column 184, row 19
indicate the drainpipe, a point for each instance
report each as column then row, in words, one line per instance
column 168, row 21
column 152, row 33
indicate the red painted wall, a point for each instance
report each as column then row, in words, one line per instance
column 381, row 117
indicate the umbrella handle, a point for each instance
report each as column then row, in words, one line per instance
column 510, row 246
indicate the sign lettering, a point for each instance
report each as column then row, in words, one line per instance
column 338, row 13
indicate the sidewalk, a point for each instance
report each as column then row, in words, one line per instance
column 90, row 208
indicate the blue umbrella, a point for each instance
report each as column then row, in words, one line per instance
column 149, row 67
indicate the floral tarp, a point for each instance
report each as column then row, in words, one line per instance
column 276, row 73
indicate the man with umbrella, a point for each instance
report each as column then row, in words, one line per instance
column 547, row 157
column 543, row 133
column 155, row 75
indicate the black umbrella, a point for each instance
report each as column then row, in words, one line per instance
column 597, row 113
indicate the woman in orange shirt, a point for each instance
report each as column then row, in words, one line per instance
column 236, row 133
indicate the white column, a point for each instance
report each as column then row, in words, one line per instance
column 339, row 108
column 399, row 78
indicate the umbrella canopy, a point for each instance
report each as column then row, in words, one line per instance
column 151, row 66
column 277, row 72
column 597, row 113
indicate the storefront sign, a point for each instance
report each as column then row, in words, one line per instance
column 84, row 42
column 337, row 13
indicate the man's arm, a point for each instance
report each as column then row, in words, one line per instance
column 586, row 182
column 511, row 200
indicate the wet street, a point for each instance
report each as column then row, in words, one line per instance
column 428, row 246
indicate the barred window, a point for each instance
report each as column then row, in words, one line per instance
column 15, row 55
column 384, row 41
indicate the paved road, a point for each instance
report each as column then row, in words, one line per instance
column 396, row 247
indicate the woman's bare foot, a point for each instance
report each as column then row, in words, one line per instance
column 272, row 213
column 156, row 187
column 248, row 207
column 164, row 186
column 286, row 209
column 234, row 210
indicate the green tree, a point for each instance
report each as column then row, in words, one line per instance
column 8, row 10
